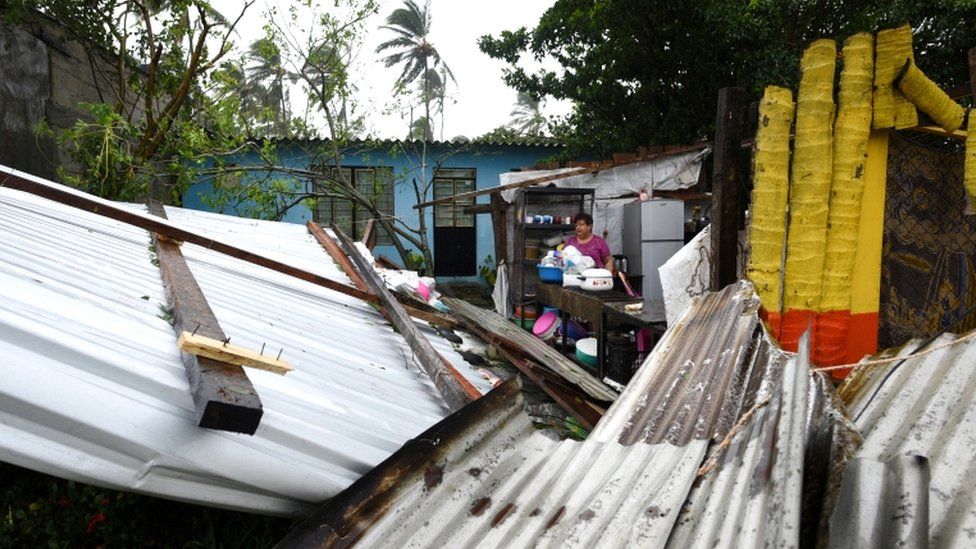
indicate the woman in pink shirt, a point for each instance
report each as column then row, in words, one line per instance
column 589, row 244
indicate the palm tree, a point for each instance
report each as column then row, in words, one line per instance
column 420, row 129
column 411, row 49
column 269, row 76
column 527, row 117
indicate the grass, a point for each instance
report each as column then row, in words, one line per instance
column 38, row 510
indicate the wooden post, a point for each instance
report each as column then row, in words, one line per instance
column 454, row 389
column 499, row 224
column 222, row 393
column 727, row 178
column 972, row 73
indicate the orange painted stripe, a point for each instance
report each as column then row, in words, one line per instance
column 795, row 323
column 831, row 337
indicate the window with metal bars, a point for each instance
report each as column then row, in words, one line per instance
column 449, row 182
column 376, row 183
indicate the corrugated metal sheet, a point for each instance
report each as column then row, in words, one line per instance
column 486, row 477
column 92, row 387
column 910, row 412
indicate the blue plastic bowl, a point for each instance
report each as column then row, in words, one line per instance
column 550, row 274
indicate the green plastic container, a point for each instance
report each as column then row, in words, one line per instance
column 525, row 323
column 586, row 351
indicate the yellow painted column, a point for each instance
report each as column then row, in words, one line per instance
column 891, row 108
column 851, row 131
column 767, row 222
column 810, row 179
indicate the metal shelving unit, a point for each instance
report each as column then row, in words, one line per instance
column 561, row 203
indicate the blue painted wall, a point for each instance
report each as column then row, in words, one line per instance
column 489, row 161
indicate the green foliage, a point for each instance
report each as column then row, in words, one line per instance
column 488, row 271
column 416, row 262
column 41, row 511
column 643, row 72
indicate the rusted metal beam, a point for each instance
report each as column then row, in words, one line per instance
column 556, row 177
column 223, row 395
column 337, row 254
column 727, row 179
column 455, row 390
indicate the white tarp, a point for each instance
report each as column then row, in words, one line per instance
column 667, row 173
column 687, row 274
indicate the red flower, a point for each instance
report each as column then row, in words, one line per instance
column 97, row 518
column 104, row 502
column 63, row 502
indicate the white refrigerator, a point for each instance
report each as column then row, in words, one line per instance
column 653, row 231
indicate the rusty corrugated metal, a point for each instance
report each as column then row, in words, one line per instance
column 486, row 477
column 919, row 408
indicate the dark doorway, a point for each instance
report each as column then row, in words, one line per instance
column 455, row 234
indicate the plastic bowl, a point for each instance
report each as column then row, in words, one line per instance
column 550, row 274
column 586, row 351
column 574, row 330
column 545, row 326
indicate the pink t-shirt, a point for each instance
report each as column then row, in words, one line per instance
column 596, row 248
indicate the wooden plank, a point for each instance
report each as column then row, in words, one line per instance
column 500, row 331
column 577, row 403
column 727, row 179
column 25, row 182
column 499, row 224
column 223, row 396
column 388, row 263
column 456, row 391
column 477, row 209
column 337, row 254
column 555, row 177
column 225, row 351
column 369, row 234
column 972, row 75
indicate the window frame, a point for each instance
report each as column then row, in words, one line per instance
column 358, row 215
column 455, row 177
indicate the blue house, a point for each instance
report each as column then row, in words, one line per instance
column 460, row 241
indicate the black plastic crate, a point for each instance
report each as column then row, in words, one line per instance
column 623, row 358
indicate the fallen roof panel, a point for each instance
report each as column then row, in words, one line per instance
column 918, row 408
column 92, row 386
column 487, row 477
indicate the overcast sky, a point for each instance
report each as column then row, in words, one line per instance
column 481, row 100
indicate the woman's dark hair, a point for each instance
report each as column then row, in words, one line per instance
column 584, row 217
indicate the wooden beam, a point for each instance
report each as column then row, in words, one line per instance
column 972, row 75
column 477, row 209
column 28, row 183
column 369, row 234
column 498, row 331
column 555, row 177
column 499, row 224
column 337, row 254
column 388, row 263
column 222, row 394
column 454, row 389
column 727, row 179
column 225, row 351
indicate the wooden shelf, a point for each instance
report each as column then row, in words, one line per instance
column 548, row 227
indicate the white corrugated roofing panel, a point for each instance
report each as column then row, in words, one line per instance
column 93, row 388
column 485, row 477
column 920, row 409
